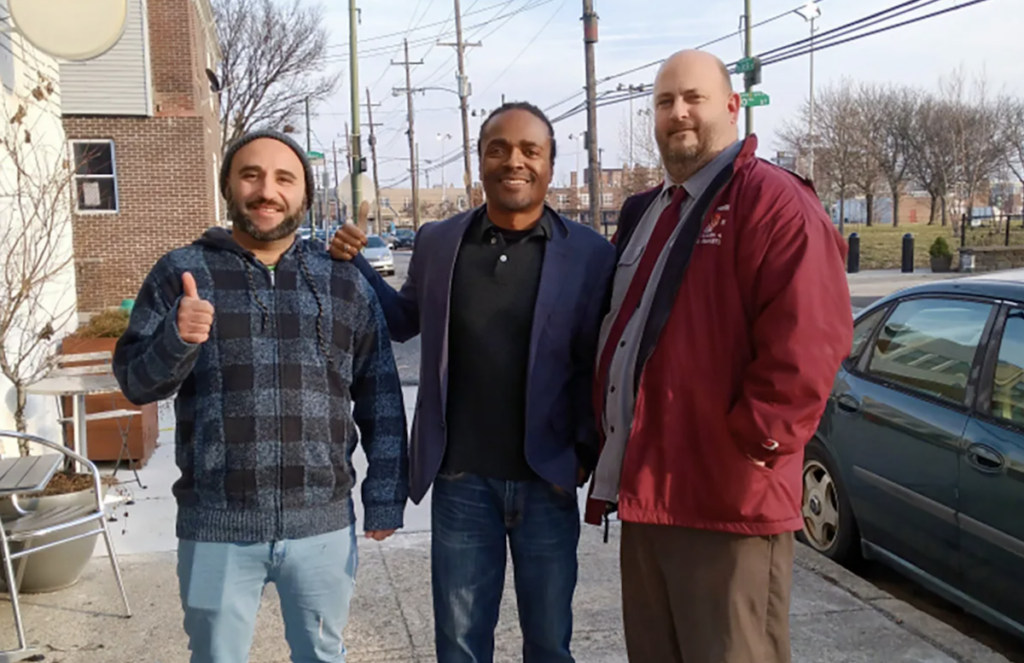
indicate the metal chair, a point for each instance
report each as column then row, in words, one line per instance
column 29, row 525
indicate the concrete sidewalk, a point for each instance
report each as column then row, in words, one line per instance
column 836, row 617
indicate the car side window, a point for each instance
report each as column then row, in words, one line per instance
column 1008, row 391
column 929, row 345
column 862, row 331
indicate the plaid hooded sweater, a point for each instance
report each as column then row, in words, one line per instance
column 265, row 420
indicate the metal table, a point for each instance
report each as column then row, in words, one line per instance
column 78, row 387
column 26, row 474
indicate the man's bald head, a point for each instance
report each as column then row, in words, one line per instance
column 695, row 111
column 695, row 58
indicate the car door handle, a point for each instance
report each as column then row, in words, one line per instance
column 985, row 459
column 848, row 403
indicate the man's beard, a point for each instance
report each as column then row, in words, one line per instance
column 688, row 158
column 242, row 222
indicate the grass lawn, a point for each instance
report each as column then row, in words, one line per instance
column 881, row 247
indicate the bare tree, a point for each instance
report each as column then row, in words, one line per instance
column 838, row 146
column 36, row 187
column 976, row 145
column 1011, row 135
column 636, row 139
column 273, row 59
column 867, row 173
column 930, row 156
column 896, row 108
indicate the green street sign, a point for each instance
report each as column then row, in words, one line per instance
column 754, row 99
column 746, row 65
column 316, row 155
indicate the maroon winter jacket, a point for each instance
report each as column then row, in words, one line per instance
column 738, row 356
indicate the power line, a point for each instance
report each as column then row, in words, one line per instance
column 613, row 98
column 426, row 26
column 947, row 10
column 524, row 49
column 534, row 4
column 378, row 51
column 634, row 70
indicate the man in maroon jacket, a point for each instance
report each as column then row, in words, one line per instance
column 729, row 318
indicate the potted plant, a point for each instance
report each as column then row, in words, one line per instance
column 941, row 255
column 100, row 334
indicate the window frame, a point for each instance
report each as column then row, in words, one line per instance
column 853, row 364
column 982, row 406
column 980, row 354
column 75, row 177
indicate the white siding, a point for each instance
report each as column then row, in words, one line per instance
column 22, row 69
column 117, row 82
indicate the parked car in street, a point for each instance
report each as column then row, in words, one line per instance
column 379, row 255
column 404, row 238
column 919, row 458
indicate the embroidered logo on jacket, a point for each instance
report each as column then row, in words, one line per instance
column 712, row 233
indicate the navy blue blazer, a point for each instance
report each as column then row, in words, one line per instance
column 561, row 435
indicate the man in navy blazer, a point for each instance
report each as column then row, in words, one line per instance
column 508, row 299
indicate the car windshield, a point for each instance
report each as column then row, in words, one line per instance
column 375, row 242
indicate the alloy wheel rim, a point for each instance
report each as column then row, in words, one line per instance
column 820, row 507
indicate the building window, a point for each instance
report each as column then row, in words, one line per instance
column 607, row 199
column 385, row 201
column 95, row 176
column 562, row 200
column 585, row 199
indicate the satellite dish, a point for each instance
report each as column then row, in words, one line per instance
column 70, row 29
column 365, row 190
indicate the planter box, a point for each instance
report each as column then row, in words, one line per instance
column 105, row 436
column 942, row 263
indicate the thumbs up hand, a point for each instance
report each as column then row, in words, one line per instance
column 195, row 315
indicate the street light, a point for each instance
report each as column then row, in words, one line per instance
column 810, row 13
column 443, row 137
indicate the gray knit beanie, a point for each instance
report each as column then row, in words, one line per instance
column 229, row 155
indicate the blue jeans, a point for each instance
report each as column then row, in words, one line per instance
column 472, row 520
column 222, row 583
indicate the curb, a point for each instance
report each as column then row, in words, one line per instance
column 938, row 634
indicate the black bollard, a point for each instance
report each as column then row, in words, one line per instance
column 853, row 257
column 908, row 253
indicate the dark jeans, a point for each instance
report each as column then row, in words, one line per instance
column 472, row 518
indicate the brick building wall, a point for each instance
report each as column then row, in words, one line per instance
column 165, row 165
column 165, row 201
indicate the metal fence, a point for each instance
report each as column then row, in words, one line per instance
column 996, row 230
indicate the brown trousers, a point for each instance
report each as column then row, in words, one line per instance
column 696, row 596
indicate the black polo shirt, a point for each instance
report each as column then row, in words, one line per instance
column 494, row 290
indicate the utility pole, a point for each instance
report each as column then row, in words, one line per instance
column 373, row 153
column 353, row 59
column 337, row 182
column 748, row 51
column 348, row 148
column 412, row 136
column 464, row 90
column 589, row 39
column 309, row 148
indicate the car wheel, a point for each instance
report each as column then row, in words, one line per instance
column 829, row 525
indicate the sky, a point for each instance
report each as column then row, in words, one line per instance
column 537, row 55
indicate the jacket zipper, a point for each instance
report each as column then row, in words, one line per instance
column 279, row 525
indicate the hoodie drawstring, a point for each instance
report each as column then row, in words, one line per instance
column 265, row 312
column 319, row 305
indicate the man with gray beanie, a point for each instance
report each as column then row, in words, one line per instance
column 279, row 360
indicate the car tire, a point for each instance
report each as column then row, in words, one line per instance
column 829, row 524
